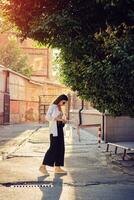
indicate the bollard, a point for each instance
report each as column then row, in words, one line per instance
column 99, row 137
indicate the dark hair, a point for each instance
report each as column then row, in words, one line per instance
column 60, row 98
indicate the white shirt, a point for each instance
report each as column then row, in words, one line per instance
column 52, row 113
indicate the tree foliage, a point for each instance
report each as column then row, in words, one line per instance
column 54, row 21
column 96, row 42
column 107, row 82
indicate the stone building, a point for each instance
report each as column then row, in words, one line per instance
column 39, row 58
column 43, row 86
column 22, row 98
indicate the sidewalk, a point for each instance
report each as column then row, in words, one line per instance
column 92, row 173
column 12, row 136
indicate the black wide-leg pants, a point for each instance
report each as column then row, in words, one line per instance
column 55, row 154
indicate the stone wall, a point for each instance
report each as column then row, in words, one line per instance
column 89, row 117
column 23, row 111
column 118, row 129
column 24, row 97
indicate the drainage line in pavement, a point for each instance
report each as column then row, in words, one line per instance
column 99, row 183
column 22, row 156
column 52, row 184
column 37, row 142
column 66, row 144
column 33, row 156
column 81, row 144
column 27, row 184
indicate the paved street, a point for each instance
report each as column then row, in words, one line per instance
column 93, row 174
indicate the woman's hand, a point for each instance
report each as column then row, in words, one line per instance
column 64, row 121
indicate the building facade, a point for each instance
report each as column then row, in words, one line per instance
column 20, row 96
column 40, row 59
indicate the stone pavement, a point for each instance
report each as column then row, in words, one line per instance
column 93, row 174
column 11, row 136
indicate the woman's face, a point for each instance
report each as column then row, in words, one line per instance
column 62, row 103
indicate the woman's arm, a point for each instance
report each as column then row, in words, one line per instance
column 54, row 114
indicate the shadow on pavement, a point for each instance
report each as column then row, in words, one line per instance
column 52, row 192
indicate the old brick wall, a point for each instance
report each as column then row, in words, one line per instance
column 23, row 99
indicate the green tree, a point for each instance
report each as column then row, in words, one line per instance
column 96, row 42
column 107, row 82
column 12, row 56
column 61, row 22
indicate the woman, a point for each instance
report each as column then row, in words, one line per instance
column 55, row 154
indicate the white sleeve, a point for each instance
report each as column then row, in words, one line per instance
column 52, row 113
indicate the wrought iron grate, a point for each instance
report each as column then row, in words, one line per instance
column 28, row 184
